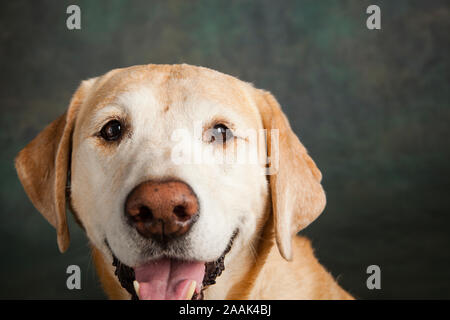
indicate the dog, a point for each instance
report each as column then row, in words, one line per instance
column 161, row 226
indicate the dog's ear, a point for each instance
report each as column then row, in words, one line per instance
column 297, row 195
column 42, row 167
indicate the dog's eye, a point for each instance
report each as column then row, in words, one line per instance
column 221, row 133
column 112, row 130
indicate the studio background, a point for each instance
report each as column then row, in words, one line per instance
column 372, row 107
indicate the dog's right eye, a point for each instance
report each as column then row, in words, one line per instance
column 111, row 131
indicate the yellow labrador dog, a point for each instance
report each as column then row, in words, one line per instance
column 139, row 157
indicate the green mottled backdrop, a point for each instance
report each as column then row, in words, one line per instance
column 373, row 108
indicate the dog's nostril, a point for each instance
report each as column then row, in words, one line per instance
column 180, row 212
column 145, row 214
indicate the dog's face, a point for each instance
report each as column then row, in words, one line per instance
column 157, row 175
column 159, row 114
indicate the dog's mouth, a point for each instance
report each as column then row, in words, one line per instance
column 170, row 279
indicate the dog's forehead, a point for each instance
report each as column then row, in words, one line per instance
column 170, row 86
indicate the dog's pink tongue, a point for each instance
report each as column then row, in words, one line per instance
column 168, row 279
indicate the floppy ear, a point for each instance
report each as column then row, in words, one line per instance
column 297, row 195
column 42, row 167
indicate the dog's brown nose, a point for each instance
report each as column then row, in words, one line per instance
column 162, row 210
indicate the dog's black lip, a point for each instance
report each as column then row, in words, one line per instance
column 126, row 276
column 213, row 270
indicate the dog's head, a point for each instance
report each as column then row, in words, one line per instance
column 147, row 157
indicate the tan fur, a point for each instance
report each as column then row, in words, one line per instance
column 303, row 278
column 293, row 199
column 42, row 167
column 109, row 282
column 297, row 196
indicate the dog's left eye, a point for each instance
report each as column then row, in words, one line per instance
column 112, row 130
column 221, row 133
